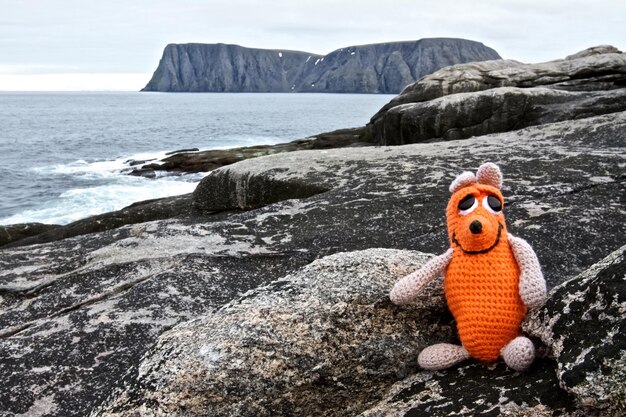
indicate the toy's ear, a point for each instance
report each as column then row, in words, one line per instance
column 489, row 174
column 463, row 180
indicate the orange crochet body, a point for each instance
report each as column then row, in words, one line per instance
column 482, row 280
column 483, row 296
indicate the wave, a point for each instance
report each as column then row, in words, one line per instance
column 101, row 186
column 100, row 168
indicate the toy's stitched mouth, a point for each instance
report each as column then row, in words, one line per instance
column 475, row 252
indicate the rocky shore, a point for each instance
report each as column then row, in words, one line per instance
column 265, row 292
column 461, row 101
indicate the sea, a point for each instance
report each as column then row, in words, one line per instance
column 65, row 156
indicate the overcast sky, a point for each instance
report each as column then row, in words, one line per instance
column 116, row 44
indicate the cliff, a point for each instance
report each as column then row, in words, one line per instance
column 218, row 67
column 379, row 68
column 388, row 67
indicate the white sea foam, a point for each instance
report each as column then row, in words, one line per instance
column 104, row 169
column 79, row 203
column 115, row 190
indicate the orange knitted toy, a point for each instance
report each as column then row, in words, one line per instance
column 491, row 278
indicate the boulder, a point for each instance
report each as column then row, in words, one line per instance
column 14, row 232
column 324, row 341
column 144, row 171
column 595, row 50
column 582, row 324
column 596, row 69
column 140, row 212
column 502, row 109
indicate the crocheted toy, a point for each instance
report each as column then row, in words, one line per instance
column 491, row 278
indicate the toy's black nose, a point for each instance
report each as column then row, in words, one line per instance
column 476, row 227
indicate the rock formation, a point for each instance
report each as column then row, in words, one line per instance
column 265, row 291
column 583, row 373
column 388, row 67
column 478, row 98
column 325, row 341
column 583, row 325
column 17, row 232
column 77, row 314
column 198, row 67
column 459, row 102
column 379, row 68
column 188, row 162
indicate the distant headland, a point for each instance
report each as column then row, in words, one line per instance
column 384, row 68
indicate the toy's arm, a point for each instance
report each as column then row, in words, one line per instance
column 408, row 287
column 532, row 285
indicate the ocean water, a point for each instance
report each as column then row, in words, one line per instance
column 63, row 155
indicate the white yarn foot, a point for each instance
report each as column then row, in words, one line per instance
column 442, row 356
column 519, row 353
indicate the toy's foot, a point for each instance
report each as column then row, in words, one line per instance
column 519, row 353
column 442, row 356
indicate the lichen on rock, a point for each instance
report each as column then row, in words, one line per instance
column 323, row 341
column 583, row 324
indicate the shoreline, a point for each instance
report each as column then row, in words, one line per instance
column 457, row 102
column 178, row 162
column 189, row 162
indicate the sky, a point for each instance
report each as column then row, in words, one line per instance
column 51, row 45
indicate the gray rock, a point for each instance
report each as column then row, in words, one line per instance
column 477, row 390
column 379, row 68
column 143, row 172
column 549, row 171
column 596, row 69
column 139, row 212
column 583, row 324
column 76, row 314
column 595, row 50
column 323, row 341
column 182, row 151
column 209, row 160
column 15, row 232
column 502, row 109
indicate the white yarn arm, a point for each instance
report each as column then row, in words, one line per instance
column 411, row 285
column 532, row 285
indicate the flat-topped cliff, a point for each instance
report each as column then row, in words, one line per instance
column 378, row 68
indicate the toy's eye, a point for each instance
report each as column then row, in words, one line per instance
column 467, row 204
column 492, row 203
